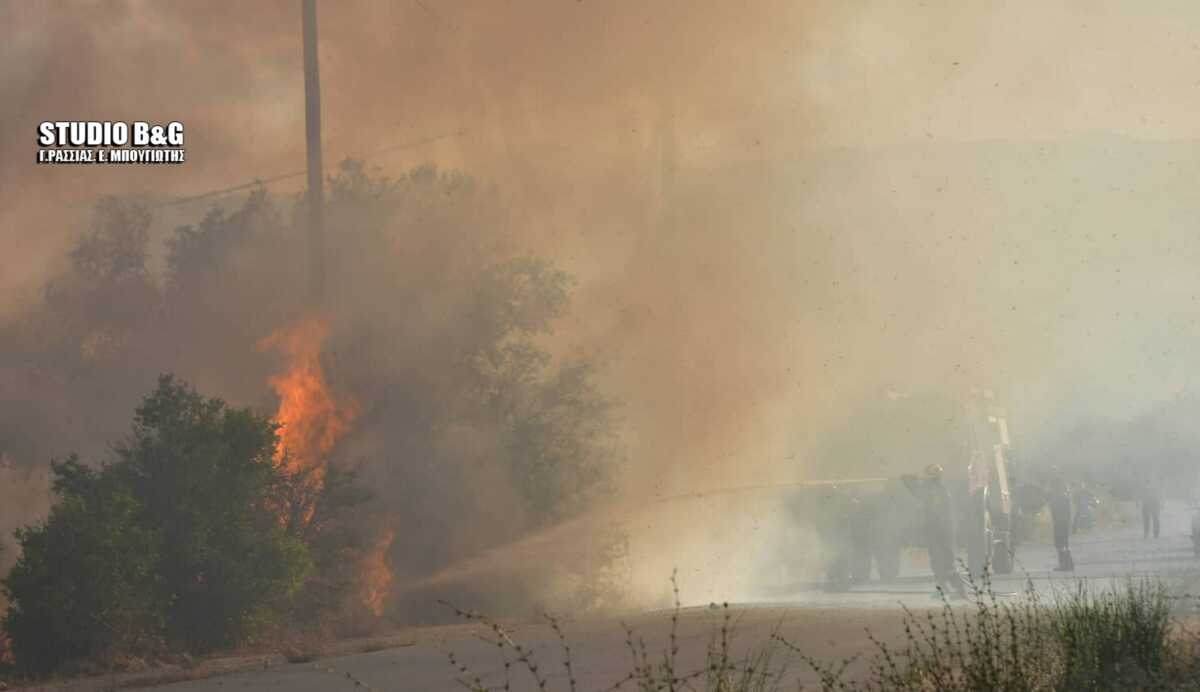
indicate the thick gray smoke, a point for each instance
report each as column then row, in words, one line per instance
column 771, row 210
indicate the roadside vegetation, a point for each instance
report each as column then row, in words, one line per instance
column 190, row 537
column 478, row 418
column 1119, row 638
column 174, row 544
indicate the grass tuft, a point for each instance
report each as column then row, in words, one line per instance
column 1118, row 638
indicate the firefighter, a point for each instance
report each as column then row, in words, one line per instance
column 938, row 526
column 834, row 529
column 1151, row 504
column 1060, row 515
column 1196, row 531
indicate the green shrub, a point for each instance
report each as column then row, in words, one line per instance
column 175, row 542
column 205, row 477
column 1113, row 639
column 84, row 583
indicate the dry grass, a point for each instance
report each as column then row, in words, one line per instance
column 722, row 671
column 1121, row 638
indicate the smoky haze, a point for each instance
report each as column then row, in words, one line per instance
column 772, row 211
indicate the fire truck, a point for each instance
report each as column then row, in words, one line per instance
column 865, row 523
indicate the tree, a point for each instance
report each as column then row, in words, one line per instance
column 560, row 441
column 84, row 584
column 205, row 477
column 110, row 291
column 175, row 541
column 472, row 427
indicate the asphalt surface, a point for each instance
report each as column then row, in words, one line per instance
column 1103, row 558
column 829, row 626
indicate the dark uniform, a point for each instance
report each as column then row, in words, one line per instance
column 834, row 529
column 1060, row 514
column 938, row 527
column 1151, row 509
column 1196, row 531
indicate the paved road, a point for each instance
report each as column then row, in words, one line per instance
column 1102, row 558
column 829, row 625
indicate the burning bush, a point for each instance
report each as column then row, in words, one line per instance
column 428, row 372
column 175, row 542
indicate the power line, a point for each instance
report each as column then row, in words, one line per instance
column 398, row 146
column 262, row 182
column 257, row 182
column 309, row 24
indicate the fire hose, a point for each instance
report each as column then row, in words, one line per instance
column 734, row 490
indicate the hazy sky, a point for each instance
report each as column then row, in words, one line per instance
column 938, row 192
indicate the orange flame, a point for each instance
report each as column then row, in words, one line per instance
column 311, row 420
column 377, row 575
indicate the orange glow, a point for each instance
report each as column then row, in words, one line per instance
column 311, row 419
column 377, row 575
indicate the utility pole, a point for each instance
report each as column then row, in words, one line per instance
column 668, row 155
column 312, row 136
